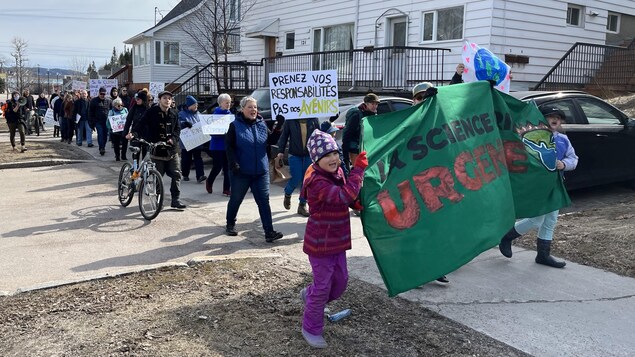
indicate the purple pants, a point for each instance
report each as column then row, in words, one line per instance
column 330, row 276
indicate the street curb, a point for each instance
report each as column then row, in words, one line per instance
column 191, row 262
column 40, row 163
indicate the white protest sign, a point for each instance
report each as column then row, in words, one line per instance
column 193, row 137
column 216, row 124
column 117, row 122
column 303, row 94
column 78, row 85
column 49, row 118
column 155, row 89
column 95, row 84
column 77, row 118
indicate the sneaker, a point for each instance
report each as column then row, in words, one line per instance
column 102, row 152
column 22, row 148
column 316, row 341
column 90, row 146
column 186, row 178
column 272, row 236
column 443, row 279
column 287, row 202
column 177, row 204
column 201, row 179
column 209, row 186
column 231, row 230
column 303, row 295
column 227, row 193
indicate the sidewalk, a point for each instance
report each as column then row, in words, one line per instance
column 82, row 232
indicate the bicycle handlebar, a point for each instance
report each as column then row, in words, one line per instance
column 158, row 143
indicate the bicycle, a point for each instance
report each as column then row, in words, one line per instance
column 143, row 178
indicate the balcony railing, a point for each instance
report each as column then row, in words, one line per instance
column 123, row 75
column 379, row 69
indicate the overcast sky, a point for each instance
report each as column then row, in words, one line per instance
column 59, row 31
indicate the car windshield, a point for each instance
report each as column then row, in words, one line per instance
column 262, row 96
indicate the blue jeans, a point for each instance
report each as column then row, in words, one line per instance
column 297, row 167
column 102, row 135
column 259, row 185
column 84, row 129
column 545, row 225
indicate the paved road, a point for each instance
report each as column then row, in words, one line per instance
column 64, row 223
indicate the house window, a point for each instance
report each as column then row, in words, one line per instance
column 333, row 38
column 290, row 41
column 573, row 15
column 234, row 10
column 613, row 23
column 166, row 52
column 141, row 55
column 443, row 24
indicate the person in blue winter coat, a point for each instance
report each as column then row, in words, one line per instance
column 567, row 160
column 120, row 143
column 188, row 117
column 246, row 146
column 217, row 150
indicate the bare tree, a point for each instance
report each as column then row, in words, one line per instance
column 79, row 65
column 213, row 33
column 22, row 80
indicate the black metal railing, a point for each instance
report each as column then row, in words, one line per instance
column 379, row 69
column 375, row 68
column 123, row 75
column 587, row 64
column 237, row 78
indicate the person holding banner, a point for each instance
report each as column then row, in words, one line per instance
column 351, row 138
column 296, row 132
column 328, row 230
column 246, row 143
column 567, row 160
column 188, row 117
column 458, row 74
column 217, row 150
column 120, row 144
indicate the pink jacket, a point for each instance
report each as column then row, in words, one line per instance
column 328, row 230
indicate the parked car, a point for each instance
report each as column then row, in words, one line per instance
column 386, row 105
column 602, row 136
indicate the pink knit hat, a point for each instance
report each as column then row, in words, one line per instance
column 320, row 144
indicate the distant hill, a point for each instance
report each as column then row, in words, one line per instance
column 52, row 71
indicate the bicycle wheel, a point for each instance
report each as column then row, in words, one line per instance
column 151, row 195
column 125, row 185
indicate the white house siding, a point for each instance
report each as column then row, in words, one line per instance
column 539, row 30
column 169, row 73
column 141, row 74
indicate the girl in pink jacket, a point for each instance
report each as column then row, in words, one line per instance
column 328, row 230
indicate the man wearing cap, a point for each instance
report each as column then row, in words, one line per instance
column 422, row 91
column 351, row 138
column 161, row 123
column 188, row 116
column 98, row 116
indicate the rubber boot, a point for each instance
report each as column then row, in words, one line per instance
column 505, row 245
column 543, row 257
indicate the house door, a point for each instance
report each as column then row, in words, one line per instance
column 395, row 63
column 270, row 53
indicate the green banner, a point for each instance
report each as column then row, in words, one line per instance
column 447, row 178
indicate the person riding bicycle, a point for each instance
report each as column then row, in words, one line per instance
column 161, row 123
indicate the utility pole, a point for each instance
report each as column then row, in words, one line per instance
column 39, row 86
column 48, row 82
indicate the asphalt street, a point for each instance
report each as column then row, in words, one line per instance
column 63, row 224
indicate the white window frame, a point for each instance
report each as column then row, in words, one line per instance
column 617, row 23
column 580, row 15
column 234, row 8
column 435, row 19
column 162, row 53
column 286, row 38
column 136, row 55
